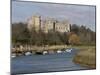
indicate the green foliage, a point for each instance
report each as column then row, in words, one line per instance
column 20, row 33
column 87, row 36
column 82, row 35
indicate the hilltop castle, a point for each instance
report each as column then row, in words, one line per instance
column 47, row 25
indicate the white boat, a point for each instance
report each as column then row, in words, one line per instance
column 69, row 50
column 45, row 52
column 13, row 55
column 59, row 51
column 28, row 53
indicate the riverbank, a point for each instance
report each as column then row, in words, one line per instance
column 83, row 47
column 86, row 57
column 48, row 47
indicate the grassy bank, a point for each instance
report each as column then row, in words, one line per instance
column 86, row 57
column 83, row 47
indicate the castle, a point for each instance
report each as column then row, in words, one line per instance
column 48, row 25
column 34, row 23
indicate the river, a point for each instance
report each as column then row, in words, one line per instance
column 45, row 63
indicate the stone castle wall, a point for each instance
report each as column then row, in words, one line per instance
column 48, row 25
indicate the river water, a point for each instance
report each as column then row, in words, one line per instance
column 45, row 63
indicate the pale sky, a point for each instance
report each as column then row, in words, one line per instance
column 76, row 14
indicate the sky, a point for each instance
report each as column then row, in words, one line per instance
column 76, row 14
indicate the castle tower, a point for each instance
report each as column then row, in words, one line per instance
column 34, row 23
column 49, row 25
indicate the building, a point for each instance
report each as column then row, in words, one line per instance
column 62, row 26
column 48, row 25
column 34, row 23
column 54, row 25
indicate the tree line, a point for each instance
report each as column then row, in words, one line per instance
column 79, row 35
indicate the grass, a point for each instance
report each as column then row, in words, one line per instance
column 86, row 57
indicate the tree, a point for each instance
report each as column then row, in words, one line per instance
column 87, row 36
column 74, row 39
column 20, row 33
column 75, row 28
